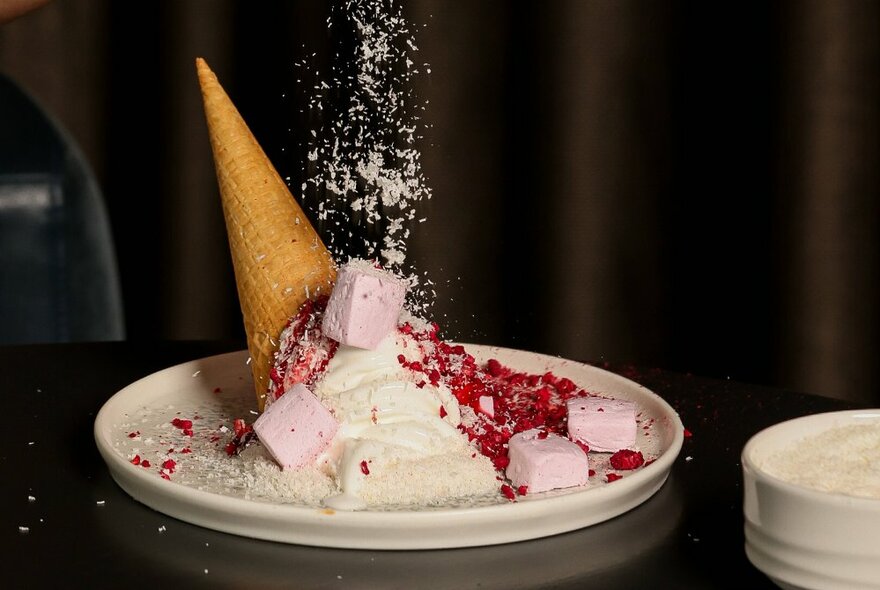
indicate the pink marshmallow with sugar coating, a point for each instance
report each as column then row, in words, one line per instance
column 486, row 404
column 296, row 427
column 364, row 305
column 544, row 464
column 604, row 425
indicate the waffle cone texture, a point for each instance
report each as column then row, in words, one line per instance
column 278, row 257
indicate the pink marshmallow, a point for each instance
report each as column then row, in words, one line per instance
column 544, row 464
column 605, row 425
column 486, row 404
column 296, row 427
column 364, row 306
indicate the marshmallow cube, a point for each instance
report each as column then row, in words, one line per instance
column 364, row 306
column 604, row 425
column 544, row 464
column 296, row 427
column 486, row 404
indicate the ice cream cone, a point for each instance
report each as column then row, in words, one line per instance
column 278, row 257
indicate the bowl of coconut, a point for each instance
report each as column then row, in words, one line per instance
column 811, row 501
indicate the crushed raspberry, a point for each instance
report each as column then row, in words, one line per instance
column 305, row 351
column 136, row 460
column 186, row 450
column 185, row 426
column 584, row 446
column 687, row 433
column 500, row 460
column 243, row 436
column 365, row 469
column 182, row 424
column 169, row 464
column 443, row 413
column 591, row 472
column 134, row 434
column 240, row 427
column 508, row 493
column 495, row 368
column 164, row 475
column 146, row 464
column 543, row 435
column 522, row 490
column 626, row 459
column 613, row 477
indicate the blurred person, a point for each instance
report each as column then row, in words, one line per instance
column 12, row 9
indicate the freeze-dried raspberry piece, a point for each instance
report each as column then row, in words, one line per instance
column 627, row 459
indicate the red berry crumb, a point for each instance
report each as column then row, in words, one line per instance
column 365, row 469
column 169, row 464
column 240, row 427
column 613, row 477
column 136, row 460
column 134, row 434
column 182, row 424
column 687, row 433
column 442, row 412
column 522, row 490
column 145, row 464
column 508, row 492
column 627, row 459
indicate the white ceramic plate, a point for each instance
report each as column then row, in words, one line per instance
column 210, row 489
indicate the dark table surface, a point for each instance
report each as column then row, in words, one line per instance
column 85, row 531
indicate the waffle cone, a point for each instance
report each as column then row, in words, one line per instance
column 278, row 257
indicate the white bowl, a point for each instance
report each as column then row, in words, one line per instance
column 802, row 537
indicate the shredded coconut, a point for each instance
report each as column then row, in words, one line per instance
column 843, row 460
column 363, row 166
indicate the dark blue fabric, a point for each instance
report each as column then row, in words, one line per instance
column 58, row 276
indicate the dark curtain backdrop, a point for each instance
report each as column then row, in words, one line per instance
column 686, row 185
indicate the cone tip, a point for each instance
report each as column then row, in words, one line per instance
column 206, row 75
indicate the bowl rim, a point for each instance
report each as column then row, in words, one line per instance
column 752, row 469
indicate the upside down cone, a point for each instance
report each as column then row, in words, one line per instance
column 278, row 257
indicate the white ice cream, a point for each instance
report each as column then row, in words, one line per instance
column 386, row 420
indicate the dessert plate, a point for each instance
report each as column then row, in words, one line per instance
column 163, row 440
